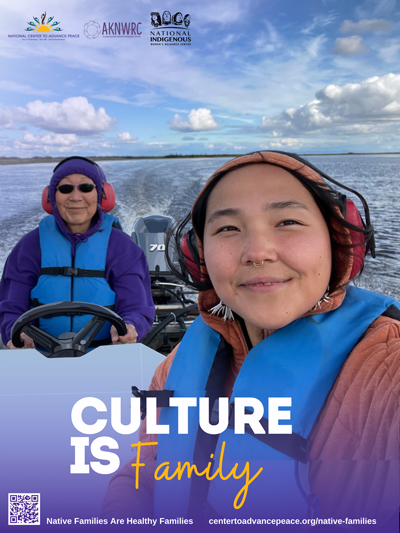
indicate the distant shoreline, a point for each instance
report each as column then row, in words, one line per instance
column 47, row 159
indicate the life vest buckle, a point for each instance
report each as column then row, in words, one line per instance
column 69, row 271
column 162, row 397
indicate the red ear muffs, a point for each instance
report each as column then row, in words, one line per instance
column 107, row 197
column 46, row 201
column 191, row 253
column 353, row 216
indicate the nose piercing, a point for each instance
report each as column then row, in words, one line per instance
column 257, row 265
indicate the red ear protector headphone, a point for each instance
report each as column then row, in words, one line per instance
column 190, row 251
column 107, row 193
column 348, row 209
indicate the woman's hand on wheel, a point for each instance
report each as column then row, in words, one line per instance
column 28, row 343
column 129, row 338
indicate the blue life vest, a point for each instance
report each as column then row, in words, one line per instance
column 63, row 281
column 300, row 361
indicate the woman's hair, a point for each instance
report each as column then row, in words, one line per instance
column 157, row 15
column 329, row 202
column 166, row 17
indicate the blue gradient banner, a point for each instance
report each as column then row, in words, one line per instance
column 37, row 398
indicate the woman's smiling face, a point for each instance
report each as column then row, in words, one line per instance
column 77, row 208
column 262, row 213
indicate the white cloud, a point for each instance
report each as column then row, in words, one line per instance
column 389, row 50
column 365, row 26
column 58, row 139
column 7, row 85
column 286, row 143
column 266, row 42
column 6, row 121
column 349, row 46
column 48, row 143
column 318, row 22
column 223, row 12
column 314, row 46
column 73, row 115
column 197, row 120
column 234, row 117
column 373, row 102
column 111, row 98
column 125, row 137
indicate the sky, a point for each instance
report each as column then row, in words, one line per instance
column 307, row 76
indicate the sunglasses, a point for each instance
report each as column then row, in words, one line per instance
column 67, row 188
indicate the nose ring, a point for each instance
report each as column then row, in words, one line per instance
column 257, row 265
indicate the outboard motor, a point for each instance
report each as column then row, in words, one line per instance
column 149, row 233
column 169, row 295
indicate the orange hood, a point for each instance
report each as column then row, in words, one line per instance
column 208, row 299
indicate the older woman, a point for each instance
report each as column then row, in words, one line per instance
column 278, row 320
column 77, row 254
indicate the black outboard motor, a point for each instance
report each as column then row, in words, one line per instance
column 169, row 295
column 149, row 234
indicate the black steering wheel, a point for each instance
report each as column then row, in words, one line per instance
column 69, row 344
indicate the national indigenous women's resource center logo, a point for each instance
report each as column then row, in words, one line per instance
column 169, row 29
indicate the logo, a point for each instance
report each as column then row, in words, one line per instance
column 91, row 29
column 167, row 20
column 42, row 26
column 43, row 30
column 170, row 29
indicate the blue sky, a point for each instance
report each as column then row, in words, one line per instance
column 311, row 76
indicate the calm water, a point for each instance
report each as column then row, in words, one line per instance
column 169, row 187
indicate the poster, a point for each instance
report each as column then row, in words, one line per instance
column 141, row 79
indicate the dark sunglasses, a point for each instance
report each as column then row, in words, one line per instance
column 67, row 188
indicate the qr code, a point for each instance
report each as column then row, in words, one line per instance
column 24, row 509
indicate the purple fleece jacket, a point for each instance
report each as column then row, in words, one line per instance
column 127, row 273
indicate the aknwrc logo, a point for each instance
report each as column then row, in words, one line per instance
column 170, row 29
column 93, row 29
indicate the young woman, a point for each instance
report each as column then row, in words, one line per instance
column 273, row 254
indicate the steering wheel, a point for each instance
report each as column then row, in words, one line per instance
column 69, row 344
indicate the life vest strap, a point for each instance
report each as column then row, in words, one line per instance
column 392, row 312
column 162, row 396
column 69, row 271
column 206, row 444
column 34, row 302
column 292, row 445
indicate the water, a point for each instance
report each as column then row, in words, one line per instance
column 169, row 187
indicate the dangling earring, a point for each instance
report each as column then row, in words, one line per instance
column 223, row 310
column 325, row 298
